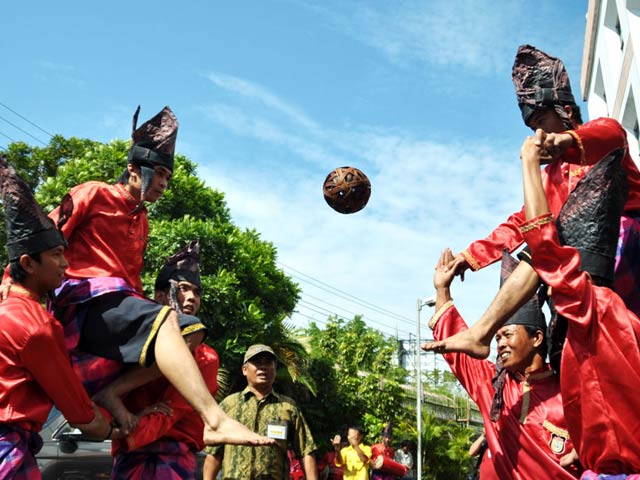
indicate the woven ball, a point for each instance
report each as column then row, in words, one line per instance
column 347, row 190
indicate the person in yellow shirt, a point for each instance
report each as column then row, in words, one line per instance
column 354, row 458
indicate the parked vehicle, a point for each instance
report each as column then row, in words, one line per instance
column 67, row 454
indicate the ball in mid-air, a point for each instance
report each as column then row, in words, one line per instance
column 347, row 190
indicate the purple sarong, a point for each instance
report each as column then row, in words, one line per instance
column 627, row 269
column 160, row 460
column 590, row 475
column 17, row 453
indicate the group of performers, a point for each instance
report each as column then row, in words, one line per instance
column 89, row 251
column 576, row 416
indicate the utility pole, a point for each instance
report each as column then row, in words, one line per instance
column 422, row 302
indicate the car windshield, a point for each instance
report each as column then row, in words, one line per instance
column 53, row 415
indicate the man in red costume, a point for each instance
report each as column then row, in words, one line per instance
column 101, row 301
column 520, row 404
column 35, row 372
column 386, row 450
column 547, row 104
column 575, row 256
column 164, row 446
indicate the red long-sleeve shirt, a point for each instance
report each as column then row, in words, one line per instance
column 531, row 435
column 594, row 140
column 184, row 425
column 104, row 240
column 35, row 371
column 600, row 369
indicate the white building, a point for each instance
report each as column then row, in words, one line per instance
column 610, row 79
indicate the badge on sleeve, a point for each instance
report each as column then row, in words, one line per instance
column 277, row 429
column 559, row 437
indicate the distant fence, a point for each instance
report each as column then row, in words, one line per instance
column 455, row 408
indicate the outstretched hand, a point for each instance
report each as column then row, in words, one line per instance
column 444, row 274
column 459, row 265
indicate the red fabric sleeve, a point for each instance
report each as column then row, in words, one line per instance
column 594, row 140
column 559, row 267
column 82, row 197
column 474, row 375
column 154, row 426
column 45, row 356
column 488, row 250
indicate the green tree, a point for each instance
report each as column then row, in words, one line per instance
column 353, row 363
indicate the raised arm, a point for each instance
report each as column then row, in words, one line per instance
column 535, row 200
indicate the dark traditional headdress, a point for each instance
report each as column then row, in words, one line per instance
column 153, row 144
column 29, row 230
column 590, row 218
column 388, row 430
column 530, row 314
column 181, row 266
column 541, row 81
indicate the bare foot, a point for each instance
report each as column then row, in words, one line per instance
column 127, row 420
column 463, row 342
column 231, row 432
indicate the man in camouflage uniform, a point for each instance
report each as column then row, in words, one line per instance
column 266, row 412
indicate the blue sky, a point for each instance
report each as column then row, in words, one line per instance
column 272, row 95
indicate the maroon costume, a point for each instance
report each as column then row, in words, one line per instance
column 531, row 435
column 600, row 370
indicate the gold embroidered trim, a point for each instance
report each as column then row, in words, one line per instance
column 470, row 260
column 24, row 291
column 439, row 313
column 578, row 140
column 192, row 328
column 555, row 430
column 536, row 223
column 577, row 171
column 160, row 318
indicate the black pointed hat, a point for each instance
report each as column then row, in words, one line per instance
column 388, row 430
column 541, row 81
column 154, row 142
column 183, row 265
column 531, row 312
column 590, row 218
column 29, row 230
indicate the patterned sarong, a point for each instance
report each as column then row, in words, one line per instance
column 590, row 475
column 160, row 460
column 17, row 450
column 627, row 270
column 70, row 297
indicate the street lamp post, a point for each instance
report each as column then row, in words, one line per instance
column 422, row 302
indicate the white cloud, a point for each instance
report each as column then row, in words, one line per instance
column 425, row 195
column 60, row 72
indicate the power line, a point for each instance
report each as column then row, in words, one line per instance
column 319, row 309
column 305, row 302
column 3, row 148
column 345, row 295
column 342, row 308
column 23, row 130
column 26, row 119
column 7, row 136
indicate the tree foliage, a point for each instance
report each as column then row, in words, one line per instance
column 354, row 365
